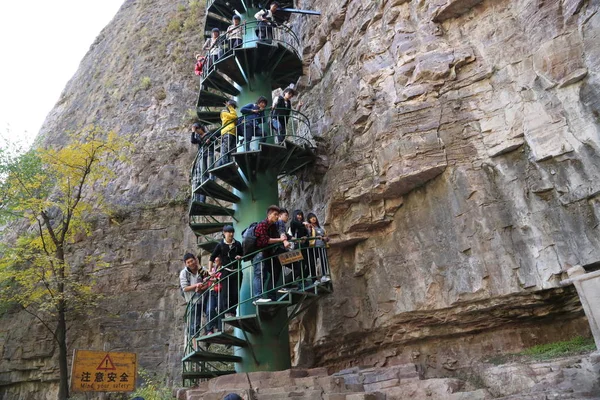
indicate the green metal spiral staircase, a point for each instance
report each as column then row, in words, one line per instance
column 236, row 188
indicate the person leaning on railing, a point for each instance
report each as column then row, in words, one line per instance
column 319, row 243
column 266, row 265
column 254, row 114
column 234, row 32
column 193, row 281
column 229, row 251
column 264, row 29
column 229, row 120
column 282, row 108
column 213, row 45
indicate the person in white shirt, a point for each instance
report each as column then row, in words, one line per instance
column 234, row 32
column 264, row 30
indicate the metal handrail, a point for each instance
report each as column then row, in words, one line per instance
column 281, row 35
column 297, row 124
column 303, row 273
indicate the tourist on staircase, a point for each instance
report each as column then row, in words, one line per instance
column 213, row 309
column 318, row 243
column 254, row 114
column 229, row 120
column 234, row 33
column 213, row 46
column 282, row 107
column 266, row 266
column 206, row 155
column 193, row 282
column 199, row 64
column 299, row 230
column 230, row 252
column 264, row 29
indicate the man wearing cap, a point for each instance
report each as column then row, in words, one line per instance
column 282, row 107
column 230, row 252
column 213, row 45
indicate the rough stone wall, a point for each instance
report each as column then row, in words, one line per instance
column 460, row 150
column 457, row 176
column 138, row 80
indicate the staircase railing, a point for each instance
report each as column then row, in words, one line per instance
column 281, row 35
column 297, row 131
column 207, row 308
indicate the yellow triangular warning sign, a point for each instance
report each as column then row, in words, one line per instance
column 106, row 364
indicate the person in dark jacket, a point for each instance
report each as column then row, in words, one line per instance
column 254, row 114
column 299, row 230
column 229, row 251
column 282, row 107
column 202, row 137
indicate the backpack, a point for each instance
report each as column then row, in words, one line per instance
column 249, row 239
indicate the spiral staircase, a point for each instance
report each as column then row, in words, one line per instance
column 235, row 188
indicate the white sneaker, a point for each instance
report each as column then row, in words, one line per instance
column 317, row 282
column 325, row 279
column 283, row 290
column 259, row 301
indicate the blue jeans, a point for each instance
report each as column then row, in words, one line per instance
column 266, row 274
column 212, row 311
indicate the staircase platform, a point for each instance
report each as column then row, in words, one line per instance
column 247, row 323
column 246, row 161
column 212, row 189
column 229, row 173
column 201, row 355
column 224, row 339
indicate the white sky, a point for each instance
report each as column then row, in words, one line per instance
column 41, row 45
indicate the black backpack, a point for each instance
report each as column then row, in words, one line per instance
column 249, row 239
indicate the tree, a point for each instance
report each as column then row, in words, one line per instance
column 49, row 195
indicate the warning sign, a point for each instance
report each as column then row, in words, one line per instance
column 101, row 371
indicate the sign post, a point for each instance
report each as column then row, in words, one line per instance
column 101, row 371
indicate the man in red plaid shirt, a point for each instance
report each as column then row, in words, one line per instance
column 266, row 264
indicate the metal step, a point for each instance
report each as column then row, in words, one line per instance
column 248, row 323
column 229, row 66
column 209, row 99
column 203, row 209
column 226, row 7
column 202, row 355
column 205, row 374
column 207, row 116
column 217, row 81
column 208, row 246
column 269, row 310
column 212, row 189
column 230, row 174
column 215, row 20
column 298, row 296
column 224, row 339
column 271, row 155
column 205, row 228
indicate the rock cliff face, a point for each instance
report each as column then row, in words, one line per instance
column 458, row 179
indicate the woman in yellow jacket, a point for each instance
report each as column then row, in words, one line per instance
column 228, row 131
